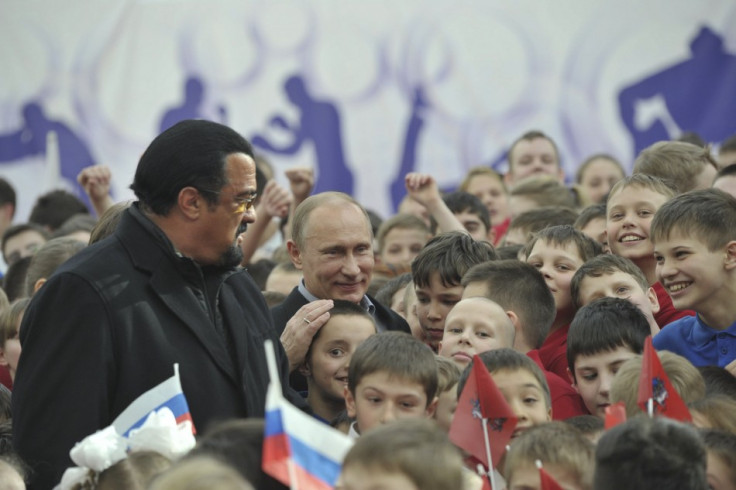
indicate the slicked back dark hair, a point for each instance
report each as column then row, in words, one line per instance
column 518, row 287
column 450, row 255
column 190, row 153
column 603, row 326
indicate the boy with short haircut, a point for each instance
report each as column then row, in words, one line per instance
column 487, row 185
column 694, row 239
column 411, row 455
column 471, row 213
column 437, row 272
column 524, row 226
column 687, row 166
column 632, row 203
column 327, row 360
column 565, row 453
column 391, row 376
column 475, row 325
column 520, row 289
column 522, row 384
column 592, row 222
column 539, row 191
column 448, row 374
column 399, row 240
column 614, row 276
column 603, row 335
column 558, row 251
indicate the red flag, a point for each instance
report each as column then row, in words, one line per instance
column 547, row 482
column 615, row 414
column 655, row 385
column 481, row 399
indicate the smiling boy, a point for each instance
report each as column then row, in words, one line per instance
column 694, row 239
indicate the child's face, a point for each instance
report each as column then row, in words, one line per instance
column 526, row 477
column 474, row 226
column 327, row 367
column 629, row 216
column 557, row 264
column 358, row 477
column 446, row 405
column 434, row 302
column 473, row 326
column 618, row 285
column 599, row 177
column 596, row 229
column 380, row 398
column 690, row 272
column 401, row 245
column 515, row 236
column 594, row 374
column 525, row 396
column 720, row 475
column 492, row 194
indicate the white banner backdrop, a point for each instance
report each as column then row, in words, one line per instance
column 363, row 91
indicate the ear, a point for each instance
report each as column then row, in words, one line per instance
column 549, row 414
column 571, row 377
column 190, row 202
column 518, row 333
column 294, row 254
column 432, row 407
column 350, row 403
column 653, row 300
column 304, row 369
column 730, row 259
column 38, row 284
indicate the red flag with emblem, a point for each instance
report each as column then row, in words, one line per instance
column 654, row 385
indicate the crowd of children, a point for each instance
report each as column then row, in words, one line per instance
column 554, row 290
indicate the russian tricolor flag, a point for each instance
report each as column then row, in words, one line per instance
column 298, row 450
column 167, row 394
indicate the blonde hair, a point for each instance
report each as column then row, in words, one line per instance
column 477, row 171
column 448, row 374
column 555, row 444
column 685, row 379
column 200, row 473
column 676, row 161
column 718, row 410
column 544, row 191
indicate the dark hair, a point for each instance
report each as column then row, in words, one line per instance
column 461, row 201
column 509, row 252
column 54, row 208
column 727, row 171
column 645, row 453
column 238, row 443
column 587, row 424
column 190, row 153
column 75, row 223
column 604, row 325
column 449, row 254
column 387, row 291
column 519, row 287
column 507, row 359
column 22, row 228
column 259, row 271
column 718, row 381
column 722, row 445
column 605, row 264
column 588, row 214
column 14, row 281
column 6, row 413
column 400, row 356
column 7, row 194
column 564, row 235
column 693, row 138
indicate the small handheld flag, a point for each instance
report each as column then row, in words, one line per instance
column 298, row 450
column 546, row 480
column 657, row 396
column 481, row 399
column 615, row 415
column 166, row 394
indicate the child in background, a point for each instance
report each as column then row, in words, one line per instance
column 590, row 426
column 603, row 335
column 687, row 166
column 400, row 239
column 613, row 276
column 406, row 455
column 437, row 272
column 592, row 222
column 392, row 376
column 558, row 251
column 720, row 450
column 525, row 225
column 685, row 379
column 472, row 214
column 327, row 360
column 448, row 374
column 714, row 412
column 487, row 185
column 392, row 293
column 10, row 320
column 566, row 454
column 596, row 175
column 522, row 384
column 632, row 203
column 694, row 239
column 537, row 191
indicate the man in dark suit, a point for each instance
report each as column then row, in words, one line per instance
column 332, row 244
column 164, row 289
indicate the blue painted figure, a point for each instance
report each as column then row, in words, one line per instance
column 191, row 108
column 409, row 153
column 319, row 122
column 696, row 95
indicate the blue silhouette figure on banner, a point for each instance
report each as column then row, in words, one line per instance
column 30, row 140
column 191, row 108
column 319, row 123
column 409, row 153
column 696, row 95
